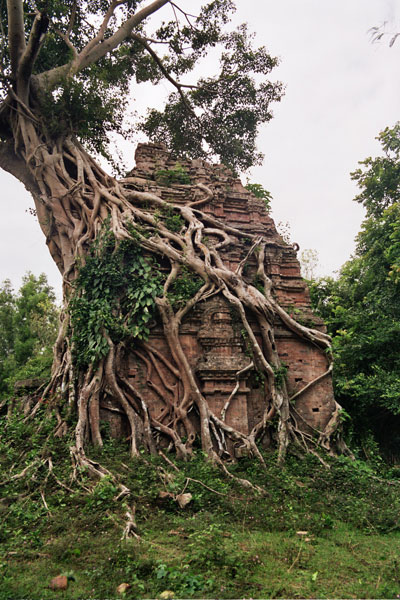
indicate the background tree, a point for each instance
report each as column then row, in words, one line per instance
column 66, row 72
column 28, row 329
column 7, row 309
column 309, row 263
column 362, row 306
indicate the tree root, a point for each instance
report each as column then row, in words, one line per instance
column 75, row 200
column 130, row 529
column 22, row 473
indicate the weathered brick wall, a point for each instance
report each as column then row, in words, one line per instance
column 211, row 334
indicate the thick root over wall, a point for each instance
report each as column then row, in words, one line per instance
column 74, row 200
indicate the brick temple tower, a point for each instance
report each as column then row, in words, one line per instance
column 210, row 335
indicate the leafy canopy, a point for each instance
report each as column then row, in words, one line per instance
column 91, row 53
column 226, row 110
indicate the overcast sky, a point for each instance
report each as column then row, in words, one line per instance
column 341, row 90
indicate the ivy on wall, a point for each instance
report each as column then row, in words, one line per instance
column 115, row 295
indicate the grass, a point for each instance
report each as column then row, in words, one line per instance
column 235, row 544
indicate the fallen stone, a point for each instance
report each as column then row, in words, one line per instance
column 59, row 583
column 123, row 587
column 167, row 595
column 183, row 499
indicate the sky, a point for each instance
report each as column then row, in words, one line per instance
column 341, row 90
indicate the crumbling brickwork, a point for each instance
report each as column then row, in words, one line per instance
column 211, row 334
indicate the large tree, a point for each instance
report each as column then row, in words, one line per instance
column 67, row 69
column 361, row 307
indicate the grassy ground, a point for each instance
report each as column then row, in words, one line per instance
column 317, row 533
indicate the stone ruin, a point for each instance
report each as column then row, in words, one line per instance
column 210, row 334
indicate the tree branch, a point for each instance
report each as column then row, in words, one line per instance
column 99, row 37
column 164, row 71
column 68, row 42
column 71, row 20
column 123, row 33
column 16, row 32
column 39, row 28
column 187, row 15
column 97, row 47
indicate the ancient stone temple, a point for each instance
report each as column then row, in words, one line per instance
column 211, row 334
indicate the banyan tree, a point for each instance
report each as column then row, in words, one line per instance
column 185, row 320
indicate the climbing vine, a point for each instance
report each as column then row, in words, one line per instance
column 185, row 287
column 260, row 192
column 114, row 295
column 168, row 177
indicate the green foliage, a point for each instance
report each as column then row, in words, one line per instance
column 7, row 312
column 229, row 544
column 258, row 379
column 379, row 177
column 220, row 116
column 260, row 192
column 88, row 108
column 392, row 252
column 361, row 307
column 280, row 375
column 28, row 329
column 114, row 296
column 182, row 580
column 229, row 107
column 172, row 221
column 259, row 284
column 185, row 286
column 168, row 177
column 102, row 495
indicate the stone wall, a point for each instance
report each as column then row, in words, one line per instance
column 212, row 334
